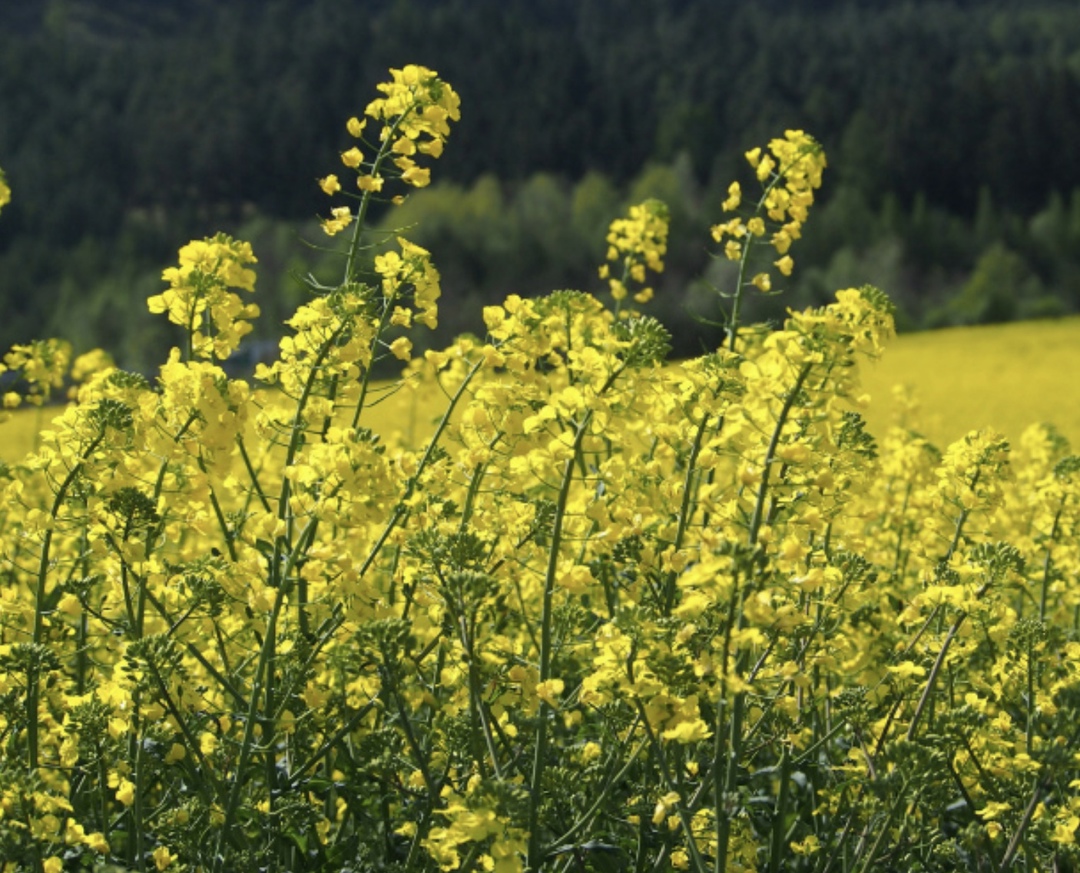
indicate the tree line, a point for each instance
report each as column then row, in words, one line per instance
column 127, row 128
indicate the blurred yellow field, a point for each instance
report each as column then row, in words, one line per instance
column 17, row 433
column 1003, row 376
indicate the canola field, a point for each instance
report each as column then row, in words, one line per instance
column 608, row 613
column 1001, row 376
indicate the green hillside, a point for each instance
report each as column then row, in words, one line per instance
column 127, row 128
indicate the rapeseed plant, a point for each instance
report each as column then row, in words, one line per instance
column 611, row 615
column 637, row 244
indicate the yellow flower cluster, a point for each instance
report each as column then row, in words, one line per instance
column 43, row 364
column 412, row 268
column 415, row 112
column 788, row 172
column 473, row 818
column 636, row 243
column 198, row 297
column 332, row 340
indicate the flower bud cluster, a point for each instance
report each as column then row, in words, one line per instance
column 331, row 339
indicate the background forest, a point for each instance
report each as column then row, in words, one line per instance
column 128, row 127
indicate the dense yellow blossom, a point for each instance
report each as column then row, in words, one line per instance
column 635, row 244
column 602, row 609
column 198, row 298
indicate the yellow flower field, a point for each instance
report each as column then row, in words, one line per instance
column 607, row 613
column 1001, row 376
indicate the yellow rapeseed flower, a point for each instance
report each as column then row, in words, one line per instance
column 340, row 218
column 5, row 191
column 352, row 158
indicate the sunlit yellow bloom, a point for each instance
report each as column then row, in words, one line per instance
column 664, row 806
column 418, row 177
column 352, row 158
column 125, row 792
column 1065, row 831
column 807, row 846
column 163, row 858
column 734, row 198
column 199, row 300
column 550, row 691
column 639, row 243
column 992, row 810
column 88, row 363
column 432, row 147
column 5, row 191
column 232, row 601
column 341, row 218
column 401, row 348
column 369, row 183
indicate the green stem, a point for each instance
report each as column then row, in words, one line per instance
column 1030, row 725
column 32, row 689
column 614, row 779
column 938, row 663
column 366, row 197
column 780, row 812
column 534, row 856
column 400, row 511
column 740, row 280
column 724, row 776
column 247, row 743
column 324, row 749
column 1025, row 820
column 882, row 833
column 432, row 784
column 670, row 784
column 545, row 647
column 252, row 473
column 685, row 507
column 770, row 454
column 1047, row 562
column 365, row 381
